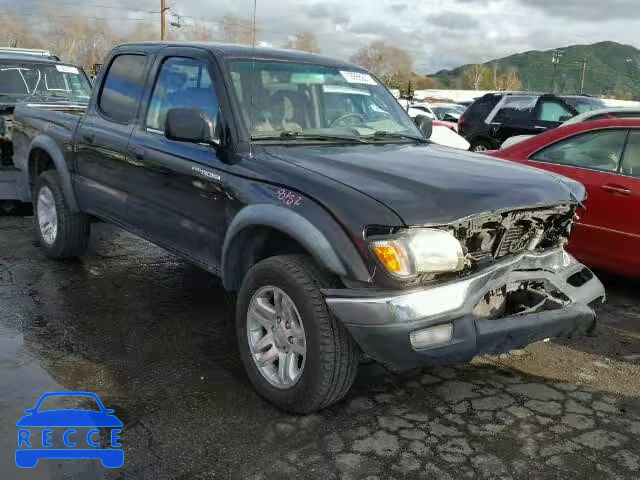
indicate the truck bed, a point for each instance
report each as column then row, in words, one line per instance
column 58, row 121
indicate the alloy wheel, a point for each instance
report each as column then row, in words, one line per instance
column 47, row 215
column 276, row 337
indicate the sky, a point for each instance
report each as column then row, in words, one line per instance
column 438, row 33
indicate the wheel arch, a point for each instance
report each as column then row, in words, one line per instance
column 45, row 154
column 260, row 231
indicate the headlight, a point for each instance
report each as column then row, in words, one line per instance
column 419, row 251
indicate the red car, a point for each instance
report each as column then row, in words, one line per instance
column 604, row 156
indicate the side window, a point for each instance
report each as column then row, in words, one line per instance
column 631, row 160
column 181, row 83
column 551, row 111
column 122, row 87
column 515, row 109
column 599, row 150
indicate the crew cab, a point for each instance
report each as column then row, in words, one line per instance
column 340, row 226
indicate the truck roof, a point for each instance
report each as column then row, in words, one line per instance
column 247, row 51
column 22, row 57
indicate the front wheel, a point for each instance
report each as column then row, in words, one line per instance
column 62, row 233
column 296, row 354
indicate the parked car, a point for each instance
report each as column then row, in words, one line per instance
column 614, row 112
column 448, row 112
column 28, row 75
column 604, row 155
column 339, row 225
column 415, row 109
column 494, row 117
column 443, row 134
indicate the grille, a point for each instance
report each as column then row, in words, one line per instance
column 512, row 241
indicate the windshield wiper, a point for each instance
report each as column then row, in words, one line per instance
column 386, row 134
column 289, row 134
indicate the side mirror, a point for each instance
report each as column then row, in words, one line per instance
column 450, row 118
column 189, row 125
column 564, row 118
column 425, row 124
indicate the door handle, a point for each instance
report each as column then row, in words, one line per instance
column 616, row 189
column 540, row 127
column 88, row 137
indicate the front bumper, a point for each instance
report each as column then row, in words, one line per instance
column 382, row 324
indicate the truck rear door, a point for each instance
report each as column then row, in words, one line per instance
column 103, row 136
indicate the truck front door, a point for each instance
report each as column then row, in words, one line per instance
column 103, row 136
column 176, row 189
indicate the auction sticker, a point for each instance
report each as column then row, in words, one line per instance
column 67, row 69
column 358, row 77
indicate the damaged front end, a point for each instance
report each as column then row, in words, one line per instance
column 510, row 283
column 494, row 236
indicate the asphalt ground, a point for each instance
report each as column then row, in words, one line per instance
column 153, row 337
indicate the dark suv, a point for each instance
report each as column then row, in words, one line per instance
column 494, row 117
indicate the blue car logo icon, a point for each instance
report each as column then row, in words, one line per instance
column 37, row 429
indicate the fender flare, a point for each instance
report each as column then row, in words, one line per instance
column 288, row 222
column 52, row 149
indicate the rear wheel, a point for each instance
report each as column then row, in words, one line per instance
column 296, row 354
column 62, row 233
column 480, row 146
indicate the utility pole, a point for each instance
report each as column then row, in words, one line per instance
column 163, row 19
column 584, row 71
column 555, row 60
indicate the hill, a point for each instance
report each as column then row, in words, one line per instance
column 612, row 69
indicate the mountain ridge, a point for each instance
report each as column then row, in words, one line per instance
column 611, row 69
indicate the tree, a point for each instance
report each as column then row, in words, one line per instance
column 392, row 65
column 16, row 33
column 425, row 83
column 509, row 80
column 196, row 32
column 474, row 75
column 305, row 42
column 237, row 30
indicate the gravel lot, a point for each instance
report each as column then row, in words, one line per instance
column 151, row 335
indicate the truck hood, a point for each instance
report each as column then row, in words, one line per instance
column 432, row 185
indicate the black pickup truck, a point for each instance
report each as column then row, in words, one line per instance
column 301, row 181
column 32, row 76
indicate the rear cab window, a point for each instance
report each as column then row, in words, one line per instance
column 122, row 87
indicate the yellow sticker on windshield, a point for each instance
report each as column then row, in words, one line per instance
column 358, row 77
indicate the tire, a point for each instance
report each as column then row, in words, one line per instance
column 70, row 237
column 331, row 358
column 480, row 146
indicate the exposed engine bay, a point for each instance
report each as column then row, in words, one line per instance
column 520, row 299
column 494, row 236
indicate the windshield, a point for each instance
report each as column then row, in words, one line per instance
column 43, row 82
column 315, row 100
column 585, row 104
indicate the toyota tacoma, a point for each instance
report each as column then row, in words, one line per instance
column 304, row 185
